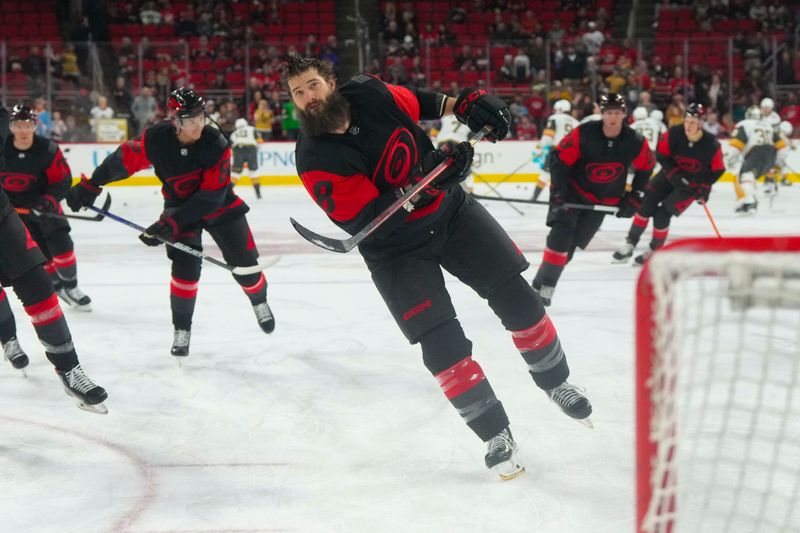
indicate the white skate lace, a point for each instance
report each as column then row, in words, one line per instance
column 181, row 337
column 263, row 312
column 626, row 249
column 500, row 443
column 566, row 394
column 78, row 380
column 75, row 293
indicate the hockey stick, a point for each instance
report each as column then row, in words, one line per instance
column 263, row 263
column 711, row 219
column 345, row 245
column 95, row 218
column 499, row 196
column 588, row 207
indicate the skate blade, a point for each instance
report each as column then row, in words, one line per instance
column 620, row 261
column 98, row 408
column 586, row 422
column 509, row 470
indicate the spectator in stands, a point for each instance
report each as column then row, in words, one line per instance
column 144, row 109
column 396, row 72
column 507, row 70
column 290, row 123
column 125, row 68
column 573, row 66
column 187, row 27
column 329, row 53
column 791, row 109
column 416, row 73
column 522, row 67
column 616, row 82
column 526, row 130
column 784, row 70
column 409, row 48
column 263, row 118
column 44, row 122
column 593, row 39
column 717, row 93
column 59, row 127
column 528, row 22
column 212, row 112
column 69, row 64
column 711, row 123
column 645, row 101
column 536, row 105
column 464, row 59
column 556, row 33
column 458, row 14
column 203, row 51
column 99, row 112
column 149, row 14
column 537, row 53
column 517, row 107
column 393, row 32
column 675, row 110
column 123, row 99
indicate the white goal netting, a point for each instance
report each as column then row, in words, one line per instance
column 724, row 394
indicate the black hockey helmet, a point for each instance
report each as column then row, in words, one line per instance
column 612, row 101
column 185, row 102
column 22, row 112
column 695, row 110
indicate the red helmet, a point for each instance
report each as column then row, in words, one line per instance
column 184, row 103
column 22, row 112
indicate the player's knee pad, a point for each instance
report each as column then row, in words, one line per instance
column 747, row 177
column 33, row 286
column 516, row 304
column 59, row 242
column 661, row 218
column 560, row 237
column 185, row 266
column 443, row 346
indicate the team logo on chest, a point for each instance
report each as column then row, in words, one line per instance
column 16, row 182
column 688, row 164
column 186, row 184
column 604, row 172
column 397, row 158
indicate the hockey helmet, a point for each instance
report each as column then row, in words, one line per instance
column 767, row 103
column 786, row 128
column 240, row 123
column 753, row 113
column 695, row 110
column 22, row 112
column 657, row 115
column 612, row 101
column 184, row 103
column 640, row 113
column 562, row 106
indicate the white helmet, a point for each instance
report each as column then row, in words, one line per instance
column 640, row 113
column 767, row 103
column 786, row 128
column 657, row 115
column 562, row 106
column 240, row 123
column 753, row 113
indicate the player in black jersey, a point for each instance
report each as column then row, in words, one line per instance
column 691, row 162
column 192, row 160
column 590, row 166
column 21, row 267
column 360, row 146
column 36, row 178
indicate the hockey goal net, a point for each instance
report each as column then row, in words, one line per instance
column 718, row 387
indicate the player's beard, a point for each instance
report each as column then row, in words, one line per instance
column 329, row 116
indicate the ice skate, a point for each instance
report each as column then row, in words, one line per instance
column 180, row 343
column 545, row 293
column 624, row 253
column 265, row 317
column 500, row 455
column 572, row 402
column 14, row 354
column 75, row 298
column 642, row 258
column 89, row 395
column 745, row 208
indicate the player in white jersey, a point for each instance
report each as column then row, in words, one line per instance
column 768, row 113
column 245, row 153
column 785, row 130
column 755, row 140
column 559, row 124
column 454, row 133
column 650, row 128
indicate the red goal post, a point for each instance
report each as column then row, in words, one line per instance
column 718, row 386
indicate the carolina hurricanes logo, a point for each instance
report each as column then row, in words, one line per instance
column 16, row 182
column 398, row 156
column 186, row 184
column 604, row 172
column 688, row 164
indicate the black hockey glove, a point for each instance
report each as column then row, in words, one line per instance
column 702, row 192
column 678, row 180
column 164, row 229
column 476, row 108
column 630, row 204
column 82, row 194
column 557, row 197
column 451, row 176
column 44, row 205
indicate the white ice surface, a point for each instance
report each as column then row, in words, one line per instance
column 331, row 423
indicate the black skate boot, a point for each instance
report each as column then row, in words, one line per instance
column 265, row 317
column 75, row 298
column 77, row 384
column 642, row 258
column 500, row 456
column 13, row 352
column 572, row 402
column 624, row 253
column 180, row 342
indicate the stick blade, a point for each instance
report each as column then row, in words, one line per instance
column 334, row 245
column 263, row 264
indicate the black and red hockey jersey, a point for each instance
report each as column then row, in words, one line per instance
column 39, row 171
column 5, row 204
column 592, row 168
column 699, row 162
column 195, row 178
column 353, row 176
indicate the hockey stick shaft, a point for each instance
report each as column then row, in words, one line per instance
column 95, row 218
column 345, row 245
column 239, row 270
column 711, row 219
column 587, row 207
column 499, row 196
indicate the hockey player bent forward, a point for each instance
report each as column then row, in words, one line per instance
column 691, row 162
column 192, row 161
column 21, row 267
column 360, row 146
column 590, row 166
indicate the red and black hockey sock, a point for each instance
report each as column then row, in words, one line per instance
column 8, row 326
column 182, row 298
column 255, row 287
column 660, row 228
column 541, row 349
column 638, row 226
column 445, row 352
column 67, row 268
column 50, row 268
column 35, row 290
column 553, row 263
